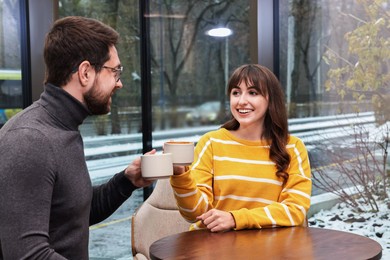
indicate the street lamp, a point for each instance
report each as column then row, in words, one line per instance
column 223, row 32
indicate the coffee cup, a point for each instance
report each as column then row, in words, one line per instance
column 156, row 166
column 182, row 152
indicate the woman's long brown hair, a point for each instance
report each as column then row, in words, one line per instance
column 275, row 123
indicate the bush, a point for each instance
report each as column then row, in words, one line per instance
column 360, row 163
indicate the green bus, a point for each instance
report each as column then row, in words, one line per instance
column 11, row 94
column 10, row 74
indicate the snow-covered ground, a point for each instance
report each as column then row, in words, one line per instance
column 373, row 225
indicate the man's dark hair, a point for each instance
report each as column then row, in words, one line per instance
column 72, row 40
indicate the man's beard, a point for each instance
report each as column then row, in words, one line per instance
column 97, row 102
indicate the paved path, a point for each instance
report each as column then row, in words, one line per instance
column 111, row 239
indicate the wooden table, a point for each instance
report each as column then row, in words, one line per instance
column 275, row 243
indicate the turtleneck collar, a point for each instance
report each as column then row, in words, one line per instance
column 63, row 107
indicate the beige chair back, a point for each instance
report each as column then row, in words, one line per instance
column 157, row 217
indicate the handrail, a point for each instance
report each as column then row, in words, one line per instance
column 118, row 150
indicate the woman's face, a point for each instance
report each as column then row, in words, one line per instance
column 248, row 106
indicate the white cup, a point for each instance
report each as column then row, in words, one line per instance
column 156, row 166
column 182, row 152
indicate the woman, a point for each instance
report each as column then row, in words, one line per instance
column 250, row 173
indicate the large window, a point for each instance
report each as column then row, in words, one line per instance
column 190, row 64
column 123, row 16
column 189, row 68
column 10, row 60
column 334, row 62
column 334, row 65
column 318, row 37
column 331, row 57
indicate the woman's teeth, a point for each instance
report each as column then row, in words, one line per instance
column 244, row 111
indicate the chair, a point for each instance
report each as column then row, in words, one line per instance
column 157, row 217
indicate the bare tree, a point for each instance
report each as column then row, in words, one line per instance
column 307, row 34
column 360, row 164
column 10, row 30
column 185, row 46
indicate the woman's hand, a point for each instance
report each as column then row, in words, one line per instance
column 217, row 220
column 177, row 170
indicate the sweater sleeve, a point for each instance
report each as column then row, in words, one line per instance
column 26, row 185
column 294, row 200
column 109, row 197
column 193, row 190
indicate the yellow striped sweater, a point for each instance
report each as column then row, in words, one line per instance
column 237, row 176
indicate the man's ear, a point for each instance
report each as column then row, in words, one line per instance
column 86, row 72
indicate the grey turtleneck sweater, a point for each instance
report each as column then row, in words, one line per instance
column 47, row 202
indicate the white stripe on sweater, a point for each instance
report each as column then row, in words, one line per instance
column 205, row 185
column 201, row 154
column 219, row 158
column 245, row 178
column 302, row 210
column 233, row 142
column 288, row 214
column 297, row 192
column 268, row 213
column 299, row 159
column 193, row 209
column 235, row 197
column 183, row 195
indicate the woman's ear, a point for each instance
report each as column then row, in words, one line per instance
column 86, row 73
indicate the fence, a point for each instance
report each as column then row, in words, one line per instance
column 109, row 154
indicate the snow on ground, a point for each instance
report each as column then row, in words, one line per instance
column 373, row 225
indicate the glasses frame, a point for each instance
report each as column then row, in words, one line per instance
column 118, row 71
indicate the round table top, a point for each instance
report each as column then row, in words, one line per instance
column 273, row 243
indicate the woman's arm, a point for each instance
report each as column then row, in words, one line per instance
column 194, row 197
column 294, row 200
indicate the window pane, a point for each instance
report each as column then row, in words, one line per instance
column 190, row 67
column 334, row 65
column 124, row 117
column 112, row 141
column 10, row 60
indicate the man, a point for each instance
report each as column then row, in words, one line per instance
column 47, row 202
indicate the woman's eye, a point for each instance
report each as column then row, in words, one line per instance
column 235, row 93
column 253, row 93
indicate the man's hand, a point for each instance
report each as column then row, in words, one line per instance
column 217, row 220
column 133, row 172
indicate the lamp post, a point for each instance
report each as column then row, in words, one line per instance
column 223, row 32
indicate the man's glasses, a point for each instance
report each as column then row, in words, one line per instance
column 118, row 71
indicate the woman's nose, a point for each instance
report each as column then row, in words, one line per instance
column 243, row 99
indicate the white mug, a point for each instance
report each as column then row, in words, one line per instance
column 156, row 166
column 182, row 152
